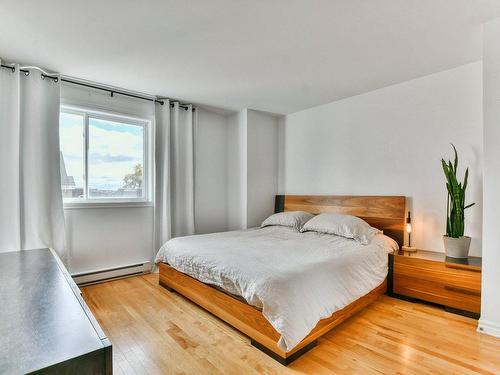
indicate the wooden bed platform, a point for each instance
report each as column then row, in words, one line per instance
column 248, row 319
column 383, row 212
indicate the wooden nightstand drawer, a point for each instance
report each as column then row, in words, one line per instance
column 434, row 278
column 438, row 272
column 441, row 293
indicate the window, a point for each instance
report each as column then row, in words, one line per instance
column 104, row 157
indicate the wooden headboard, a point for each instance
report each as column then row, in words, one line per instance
column 386, row 213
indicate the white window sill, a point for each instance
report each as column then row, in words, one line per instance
column 106, row 204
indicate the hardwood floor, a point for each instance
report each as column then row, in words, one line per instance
column 154, row 331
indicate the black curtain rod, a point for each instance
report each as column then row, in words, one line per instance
column 112, row 92
column 13, row 68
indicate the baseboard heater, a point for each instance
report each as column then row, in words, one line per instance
column 99, row 276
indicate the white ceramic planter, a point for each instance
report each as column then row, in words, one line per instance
column 457, row 247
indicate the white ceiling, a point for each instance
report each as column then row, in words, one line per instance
column 279, row 56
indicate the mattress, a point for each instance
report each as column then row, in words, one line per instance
column 295, row 278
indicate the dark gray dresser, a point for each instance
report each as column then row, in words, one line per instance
column 45, row 326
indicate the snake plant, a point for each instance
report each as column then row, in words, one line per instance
column 455, row 207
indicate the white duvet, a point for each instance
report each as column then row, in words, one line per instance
column 297, row 279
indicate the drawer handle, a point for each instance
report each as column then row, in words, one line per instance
column 462, row 267
column 463, row 290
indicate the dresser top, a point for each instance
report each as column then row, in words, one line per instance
column 470, row 262
column 42, row 322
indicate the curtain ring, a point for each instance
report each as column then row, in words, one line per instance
column 27, row 73
column 13, row 69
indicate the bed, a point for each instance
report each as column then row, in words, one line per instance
column 282, row 288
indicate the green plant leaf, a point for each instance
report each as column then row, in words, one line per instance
column 466, row 178
column 456, row 158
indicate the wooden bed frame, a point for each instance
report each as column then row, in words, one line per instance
column 386, row 213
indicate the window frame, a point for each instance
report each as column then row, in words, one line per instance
column 146, row 124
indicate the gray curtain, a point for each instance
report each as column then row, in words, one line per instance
column 174, row 171
column 31, row 209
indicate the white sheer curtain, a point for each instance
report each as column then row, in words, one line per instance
column 174, row 171
column 31, row 211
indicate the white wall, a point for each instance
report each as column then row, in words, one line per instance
column 236, row 170
column 389, row 142
column 211, row 173
column 490, row 301
column 252, row 167
column 101, row 238
column 262, row 166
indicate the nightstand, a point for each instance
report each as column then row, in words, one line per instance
column 433, row 277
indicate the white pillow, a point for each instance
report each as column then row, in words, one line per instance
column 294, row 219
column 342, row 225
